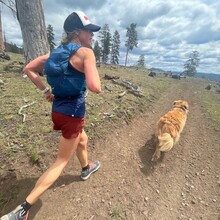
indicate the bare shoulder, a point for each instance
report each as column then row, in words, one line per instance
column 85, row 51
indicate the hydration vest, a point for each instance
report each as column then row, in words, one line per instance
column 61, row 76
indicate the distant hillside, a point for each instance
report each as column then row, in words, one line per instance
column 211, row 76
column 10, row 47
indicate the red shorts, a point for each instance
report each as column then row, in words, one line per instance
column 70, row 126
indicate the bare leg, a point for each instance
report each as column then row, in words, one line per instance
column 66, row 149
column 81, row 151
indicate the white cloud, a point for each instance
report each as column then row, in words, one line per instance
column 167, row 31
column 10, row 27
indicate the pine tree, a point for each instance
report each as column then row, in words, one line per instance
column 192, row 63
column 115, row 48
column 105, row 39
column 97, row 51
column 50, row 37
column 131, row 41
column 141, row 61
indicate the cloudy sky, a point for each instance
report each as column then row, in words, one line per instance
column 168, row 31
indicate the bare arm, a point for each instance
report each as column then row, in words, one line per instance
column 33, row 68
column 91, row 72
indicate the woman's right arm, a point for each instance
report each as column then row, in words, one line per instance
column 32, row 69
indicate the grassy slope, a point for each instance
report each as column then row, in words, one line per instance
column 210, row 100
column 103, row 110
column 35, row 136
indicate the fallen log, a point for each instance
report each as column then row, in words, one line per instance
column 135, row 90
column 108, row 77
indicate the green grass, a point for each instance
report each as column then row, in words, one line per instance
column 107, row 107
column 16, row 57
column 116, row 213
column 14, row 134
column 12, row 64
column 210, row 100
column 105, row 110
column 34, row 155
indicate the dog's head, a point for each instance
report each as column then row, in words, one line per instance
column 181, row 104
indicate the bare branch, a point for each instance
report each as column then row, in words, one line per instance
column 122, row 94
column 11, row 5
column 22, row 107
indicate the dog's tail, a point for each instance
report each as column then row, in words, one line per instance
column 165, row 142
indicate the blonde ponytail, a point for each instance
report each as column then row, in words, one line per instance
column 68, row 37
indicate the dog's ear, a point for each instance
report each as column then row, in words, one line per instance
column 186, row 107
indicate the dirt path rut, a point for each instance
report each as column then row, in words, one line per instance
column 185, row 184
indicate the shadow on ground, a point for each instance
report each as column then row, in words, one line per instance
column 146, row 152
column 13, row 192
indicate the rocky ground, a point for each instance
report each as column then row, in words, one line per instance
column 184, row 184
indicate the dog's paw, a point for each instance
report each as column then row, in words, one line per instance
column 156, row 156
column 154, row 159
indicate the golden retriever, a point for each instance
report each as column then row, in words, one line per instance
column 169, row 128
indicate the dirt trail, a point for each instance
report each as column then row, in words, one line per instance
column 185, row 184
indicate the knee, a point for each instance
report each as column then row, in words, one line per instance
column 83, row 142
column 60, row 163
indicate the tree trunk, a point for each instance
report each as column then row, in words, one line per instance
column 30, row 15
column 126, row 57
column 2, row 45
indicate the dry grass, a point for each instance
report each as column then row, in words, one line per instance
column 104, row 111
column 210, row 100
column 35, row 137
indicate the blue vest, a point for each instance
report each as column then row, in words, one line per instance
column 61, row 76
column 68, row 85
column 72, row 106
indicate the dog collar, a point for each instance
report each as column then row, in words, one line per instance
column 184, row 109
